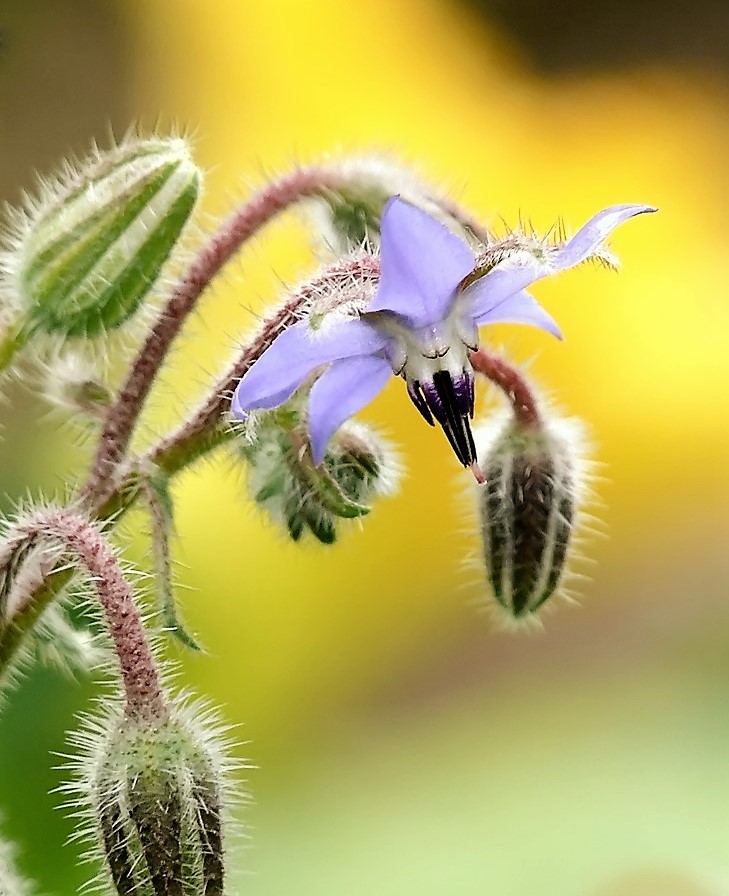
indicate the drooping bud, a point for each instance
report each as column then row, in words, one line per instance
column 285, row 481
column 85, row 253
column 527, row 510
column 156, row 794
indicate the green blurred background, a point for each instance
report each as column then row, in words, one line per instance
column 404, row 744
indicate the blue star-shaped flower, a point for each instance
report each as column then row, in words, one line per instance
column 421, row 324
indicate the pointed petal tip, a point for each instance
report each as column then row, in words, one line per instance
column 236, row 408
column 640, row 209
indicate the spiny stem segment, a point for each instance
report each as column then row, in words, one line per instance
column 240, row 227
column 79, row 538
column 512, row 382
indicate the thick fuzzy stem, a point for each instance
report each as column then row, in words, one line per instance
column 512, row 382
column 79, row 538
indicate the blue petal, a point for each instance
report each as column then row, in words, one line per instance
column 589, row 238
column 520, row 308
column 283, row 367
column 339, row 392
column 509, row 278
column 517, row 273
column 422, row 264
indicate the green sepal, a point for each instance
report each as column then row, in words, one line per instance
column 161, row 508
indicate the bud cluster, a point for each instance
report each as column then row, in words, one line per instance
column 284, row 480
column 418, row 279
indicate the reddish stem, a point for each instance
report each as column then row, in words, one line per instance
column 510, row 380
column 139, row 673
column 234, row 232
column 335, row 277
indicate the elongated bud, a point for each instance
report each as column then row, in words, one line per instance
column 285, row 481
column 156, row 795
column 527, row 511
column 88, row 250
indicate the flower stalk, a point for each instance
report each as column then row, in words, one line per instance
column 243, row 224
column 84, row 543
column 512, row 383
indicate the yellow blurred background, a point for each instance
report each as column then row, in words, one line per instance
column 403, row 743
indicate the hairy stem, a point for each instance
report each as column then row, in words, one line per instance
column 244, row 223
column 511, row 381
column 206, row 430
column 193, row 434
column 79, row 538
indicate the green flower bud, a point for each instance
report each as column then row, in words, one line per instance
column 156, row 796
column 87, row 252
column 286, row 483
column 527, row 511
column 348, row 217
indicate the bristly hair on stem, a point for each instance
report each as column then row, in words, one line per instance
column 233, row 233
column 87, row 547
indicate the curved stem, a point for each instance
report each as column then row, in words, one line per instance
column 139, row 673
column 192, row 436
column 240, row 227
column 205, row 431
column 512, row 382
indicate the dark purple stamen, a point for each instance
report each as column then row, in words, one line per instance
column 451, row 403
column 418, row 399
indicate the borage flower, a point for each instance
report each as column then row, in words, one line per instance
column 421, row 324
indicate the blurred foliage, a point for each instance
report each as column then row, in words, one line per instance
column 404, row 745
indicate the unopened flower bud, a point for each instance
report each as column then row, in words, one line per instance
column 156, row 795
column 349, row 216
column 89, row 249
column 527, row 511
column 285, row 481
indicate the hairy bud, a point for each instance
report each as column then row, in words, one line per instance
column 88, row 250
column 284, row 480
column 527, row 511
column 349, row 216
column 155, row 794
